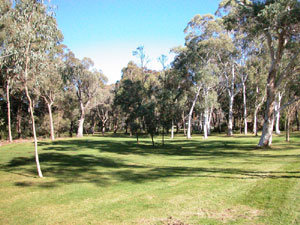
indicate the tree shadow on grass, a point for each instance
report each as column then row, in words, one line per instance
column 64, row 162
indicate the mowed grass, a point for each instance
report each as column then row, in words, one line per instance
column 113, row 180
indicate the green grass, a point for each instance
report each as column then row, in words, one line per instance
column 113, row 180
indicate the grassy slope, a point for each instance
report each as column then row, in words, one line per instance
column 112, row 180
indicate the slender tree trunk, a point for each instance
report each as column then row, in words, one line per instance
column 152, row 139
column 137, row 137
column 209, row 121
column 71, row 129
column 205, row 126
column 51, row 121
column 184, row 126
column 287, row 127
column 297, row 120
column 34, row 133
column 8, row 110
column 189, row 136
column 81, row 121
column 230, row 116
column 245, row 109
column 277, row 112
column 255, row 121
column 19, row 121
column 163, row 136
column 172, row 130
column 103, row 129
column 267, row 132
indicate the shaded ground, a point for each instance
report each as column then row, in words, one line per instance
column 215, row 181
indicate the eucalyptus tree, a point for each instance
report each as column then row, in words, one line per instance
column 129, row 94
column 36, row 33
column 85, row 82
column 103, row 106
column 7, row 58
column 278, row 22
column 144, row 60
column 209, row 45
column 50, row 83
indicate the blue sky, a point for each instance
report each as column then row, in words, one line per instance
column 107, row 31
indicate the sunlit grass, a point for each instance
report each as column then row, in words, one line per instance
column 113, row 180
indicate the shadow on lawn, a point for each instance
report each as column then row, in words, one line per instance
column 64, row 163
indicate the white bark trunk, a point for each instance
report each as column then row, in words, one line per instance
column 8, row 111
column 191, row 113
column 81, row 121
column 34, row 133
column 209, row 121
column 255, row 121
column 267, row 132
column 51, row 121
column 205, row 126
column 80, row 127
column 172, row 130
column 277, row 112
column 245, row 109
column 230, row 115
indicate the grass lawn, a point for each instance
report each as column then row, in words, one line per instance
column 113, row 180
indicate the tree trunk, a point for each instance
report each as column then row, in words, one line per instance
column 277, row 112
column 255, row 122
column 189, row 136
column 287, row 127
column 8, row 111
column 80, row 127
column 267, row 132
column 103, row 129
column 81, row 121
column 19, row 121
column 297, row 120
column 34, row 133
column 51, row 121
column 184, row 126
column 71, row 129
column 163, row 136
column 209, row 121
column 172, row 130
column 152, row 139
column 245, row 109
column 205, row 126
column 230, row 115
column 137, row 137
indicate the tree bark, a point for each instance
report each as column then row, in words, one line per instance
column 205, row 126
column 189, row 136
column 230, row 116
column 152, row 139
column 267, row 132
column 8, row 110
column 287, row 127
column 255, row 121
column 51, row 121
column 34, row 133
column 172, row 130
column 184, row 126
column 19, row 121
column 245, row 109
column 297, row 120
column 277, row 112
column 81, row 121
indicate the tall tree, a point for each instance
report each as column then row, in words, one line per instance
column 85, row 82
column 279, row 23
column 36, row 33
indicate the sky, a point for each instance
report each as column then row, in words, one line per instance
column 107, row 31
